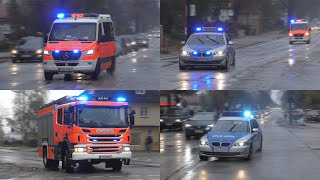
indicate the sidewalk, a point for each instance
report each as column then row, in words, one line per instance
column 240, row 42
column 307, row 133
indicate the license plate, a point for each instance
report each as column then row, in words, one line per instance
column 201, row 59
column 198, row 131
column 104, row 156
column 168, row 124
column 66, row 69
column 221, row 149
column 26, row 56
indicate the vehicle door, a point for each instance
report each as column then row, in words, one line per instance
column 59, row 128
column 68, row 120
column 101, row 43
column 256, row 138
column 229, row 47
column 110, row 44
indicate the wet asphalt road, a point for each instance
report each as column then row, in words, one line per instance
column 283, row 157
column 137, row 70
column 269, row 65
column 26, row 165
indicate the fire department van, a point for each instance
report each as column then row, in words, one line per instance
column 85, row 130
column 299, row 31
column 80, row 43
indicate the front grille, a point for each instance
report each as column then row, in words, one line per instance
column 66, row 55
column 67, row 64
column 298, row 35
column 104, row 138
column 221, row 153
column 106, row 148
column 223, row 144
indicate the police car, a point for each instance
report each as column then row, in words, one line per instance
column 208, row 46
column 232, row 137
column 299, row 31
column 80, row 43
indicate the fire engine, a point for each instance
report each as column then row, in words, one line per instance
column 85, row 130
column 299, row 31
column 80, row 43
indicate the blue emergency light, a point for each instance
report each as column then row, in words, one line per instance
column 195, row 53
column 75, row 51
column 220, row 29
column 292, row 20
column 82, row 98
column 121, row 99
column 247, row 113
column 60, row 16
column 208, row 53
column 56, row 51
column 198, row 29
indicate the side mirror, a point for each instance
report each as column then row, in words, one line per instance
column 131, row 120
column 45, row 39
column 102, row 38
column 183, row 42
column 132, row 111
column 230, row 43
column 310, row 29
column 255, row 129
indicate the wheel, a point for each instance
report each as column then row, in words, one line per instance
column 116, row 165
column 203, row 158
column 248, row 158
column 260, row 149
column 45, row 158
column 187, row 137
column 95, row 75
column 225, row 67
column 181, row 67
column 113, row 66
column 291, row 42
column 67, row 77
column 308, row 42
column 13, row 60
column 234, row 60
column 48, row 76
column 66, row 164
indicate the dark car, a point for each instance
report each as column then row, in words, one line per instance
column 173, row 118
column 134, row 43
column 125, row 45
column 143, row 41
column 313, row 115
column 232, row 114
column 28, row 48
column 199, row 124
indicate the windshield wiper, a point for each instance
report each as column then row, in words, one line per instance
column 213, row 40
column 233, row 127
column 201, row 41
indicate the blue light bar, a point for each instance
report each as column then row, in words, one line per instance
column 94, row 140
column 60, row 16
column 208, row 53
column 115, row 140
column 292, row 20
column 82, row 98
column 247, row 114
column 220, row 29
column 195, row 53
column 75, row 51
column 56, row 51
column 121, row 99
column 198, row 29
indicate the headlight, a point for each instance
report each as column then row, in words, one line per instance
column 184, row 53
column 202, row 142
column 45, row 52
column 89, row 52
column 178, row 120
column 39, row 51
column 188, row 125
column 144, row 42
column 14, row 51
column 161, row 120
column 133, row 43
column 241, row 143
column 210, row 125
column 126, row 148
column 79, row 149
column 219, row 53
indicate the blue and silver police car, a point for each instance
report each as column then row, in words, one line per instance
column 232, row 137
column 208, row 46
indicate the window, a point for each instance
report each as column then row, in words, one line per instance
column 68, row 115
column 144, row 111
column 108, row 30
column 59, row 116
column 140, row 92
column 100, row 30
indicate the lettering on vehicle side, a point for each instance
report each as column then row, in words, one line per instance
column 104, row 131
column 227, row 136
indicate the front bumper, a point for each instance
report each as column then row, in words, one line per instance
column 70, row 66
column 234, row 151
column 202, row 61
column 33, row 56
column 78, row 156
column 299, row 39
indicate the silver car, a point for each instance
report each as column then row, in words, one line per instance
column 207, row 48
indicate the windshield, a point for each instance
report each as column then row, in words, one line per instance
column 73, row 32
column 232, row 114
column 313, row 113
column 231, row 126
column 203, row 117
column 208, row 39
column 30, row 42
column 101, row 116
column 301, row 26
column 172, row 112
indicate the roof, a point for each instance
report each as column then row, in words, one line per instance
column 233, row 119
column 80, row 20
column 210, row 33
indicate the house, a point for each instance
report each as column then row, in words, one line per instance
column 146, row 105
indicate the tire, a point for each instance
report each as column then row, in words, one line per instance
column 45, row 161
column 116, row 165
column 181, row 67
column 234, row 60
column 260, row 149
column 95, row 75
column 225, row 67
column 291, row 42
column 249, row 157
column 67, row 77
column 48, row 76
column 203, row 158
column 13, row 60
column 113, row 66
column 66, row 164
column 187, row 137
column 308, row 42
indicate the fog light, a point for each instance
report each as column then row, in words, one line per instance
column 79, row 149
column 126, row 148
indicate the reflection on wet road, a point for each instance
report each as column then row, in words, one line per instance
column 269, row 65
column 283, row 157
column 136, row 70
